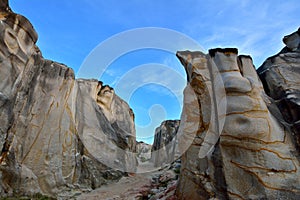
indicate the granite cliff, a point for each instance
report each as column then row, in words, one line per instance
column 57, row 134
column 245, row 144
column 163, row 149
column 238, row 133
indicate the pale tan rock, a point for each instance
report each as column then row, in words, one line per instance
column 143, row 151
column 56, row 133
column 254, row 157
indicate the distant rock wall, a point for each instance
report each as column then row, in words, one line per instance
column 164, row 146
column 56, row 133
column 143, row 151
column 252, row 155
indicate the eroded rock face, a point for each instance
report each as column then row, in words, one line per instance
column 143, row 151
column 163, row 149
column 56, row 132
column 280, row 76
column 239, row 148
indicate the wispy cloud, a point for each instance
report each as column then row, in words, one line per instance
column 255, row 27
column 110, row 72
column 155, row 74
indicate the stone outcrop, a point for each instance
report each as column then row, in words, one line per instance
column 280, row 75
column 241, row 146
column 238, row 135
column 56, row 133
column 164, row 145
column 143, row 151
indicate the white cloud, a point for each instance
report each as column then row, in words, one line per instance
column 110, row 72
column 158, row 74
column 255, row 27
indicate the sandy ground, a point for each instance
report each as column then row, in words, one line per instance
column 127, row 188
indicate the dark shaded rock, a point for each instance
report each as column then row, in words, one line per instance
column 212, row 52
column 4, row 6
column 280, row 75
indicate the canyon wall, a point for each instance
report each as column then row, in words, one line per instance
column 164, row 145
column 239, row 134
column 280, row 75
column 244, row 142
column 57, row 134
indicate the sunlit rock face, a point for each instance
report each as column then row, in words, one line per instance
column 240, row 147
column 56, row 133
column 163, row 150
column 280, row 75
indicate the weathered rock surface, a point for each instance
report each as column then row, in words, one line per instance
column 143, row 151
column 280, row 75
column 56, row 132
column 164, row 145
column 60, row 136
column 239, row 150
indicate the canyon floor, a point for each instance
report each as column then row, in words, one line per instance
column 126, row 188
column 137, row 186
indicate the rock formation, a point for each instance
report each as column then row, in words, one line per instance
column 239, row 134
column 164, row 145
column 143, row 151
column 280, row 75
column 56, row 133
column 242, row 147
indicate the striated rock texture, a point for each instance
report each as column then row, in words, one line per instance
column 239, row 150
column 56, row 133
column 280, row 75
column 164, row 147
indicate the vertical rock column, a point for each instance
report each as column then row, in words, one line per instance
column 195, row 122
column 253, row 158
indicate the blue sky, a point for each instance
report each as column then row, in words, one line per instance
column 70, row 30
